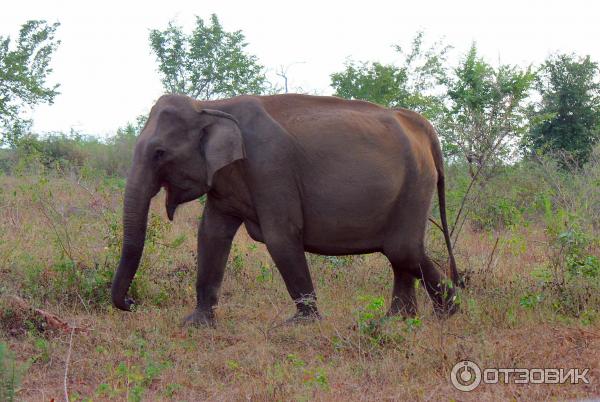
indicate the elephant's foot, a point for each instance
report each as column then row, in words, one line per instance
column 200, row 318
column 406, row 312
column 304, row 317
column 445, row 310
column 402, row 308
column 443, row 296
column 445, row 307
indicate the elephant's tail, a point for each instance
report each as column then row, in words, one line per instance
column 441, row 187
column 456, row 279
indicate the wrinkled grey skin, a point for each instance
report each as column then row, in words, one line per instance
column 302, row 173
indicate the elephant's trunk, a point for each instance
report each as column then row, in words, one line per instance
column 135, row 217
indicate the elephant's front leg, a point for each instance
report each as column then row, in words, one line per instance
column 287, row 252
column 215, row 234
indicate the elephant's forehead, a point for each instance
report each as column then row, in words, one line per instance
column 173, row 100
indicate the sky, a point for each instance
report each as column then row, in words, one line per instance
column 108, row 76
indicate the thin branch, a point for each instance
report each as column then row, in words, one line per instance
column 58, row 237
column 489, row 264
column 436, row 224
column 67, row 366
column 464, row 200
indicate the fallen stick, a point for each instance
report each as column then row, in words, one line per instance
column 53, row 321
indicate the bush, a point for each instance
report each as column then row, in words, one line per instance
column 10, row 374
column 514, row 195
column 74, row 152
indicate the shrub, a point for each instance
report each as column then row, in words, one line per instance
column 10, row 374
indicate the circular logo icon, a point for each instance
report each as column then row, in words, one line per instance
column 465, row 376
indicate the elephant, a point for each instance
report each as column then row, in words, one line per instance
column 302, row 173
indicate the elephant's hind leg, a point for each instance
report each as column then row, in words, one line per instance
column 410, row 263
column 440, row 289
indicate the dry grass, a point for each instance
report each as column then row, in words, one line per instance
column 250, row 356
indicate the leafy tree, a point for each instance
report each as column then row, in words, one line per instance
column 374, row 82
column 210, row 63
column 568, row 116
column 485, row 118
column 485, row 111
column 410, row 85
column 24, row 69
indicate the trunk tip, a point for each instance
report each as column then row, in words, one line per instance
column 123, row 303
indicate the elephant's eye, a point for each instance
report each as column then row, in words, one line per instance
column 158, row 154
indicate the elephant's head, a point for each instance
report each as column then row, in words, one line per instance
column 181, row 148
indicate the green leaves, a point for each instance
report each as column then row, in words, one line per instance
column 375, row 82
column 11, row 373
column 486, row 109
column 210, row 63
column 23, row 73
column 568, row 116
column 410, row 85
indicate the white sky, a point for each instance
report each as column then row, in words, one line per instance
column 108, row 76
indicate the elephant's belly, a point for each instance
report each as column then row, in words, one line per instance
column 328, row 249
column 347, row 222
column 329, row 241
column 339, row 237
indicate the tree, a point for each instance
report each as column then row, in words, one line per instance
column 210, row 63
column 24, row 70
column 411, row 85
column 485, row 118
column 568, row 116
column 485, row 113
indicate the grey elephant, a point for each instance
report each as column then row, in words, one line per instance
column 302, row 173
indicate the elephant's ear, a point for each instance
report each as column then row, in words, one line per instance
column 222, row 141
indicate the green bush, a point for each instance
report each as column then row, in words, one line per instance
column 10, row 374
column 74, row 151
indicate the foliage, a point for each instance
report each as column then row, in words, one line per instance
column 485, row 110
column 75, row 152
column 374, row 82
column 119, row 148
column 210, row 63
column 573, row 246
column 378, row 328
column 370, row 316
column 574, row 188
column 24, row 70
column 10, row 374
column 515, row 205
column 410, row 85
column 567, row 117
column 572, row 277
column 73, row 274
